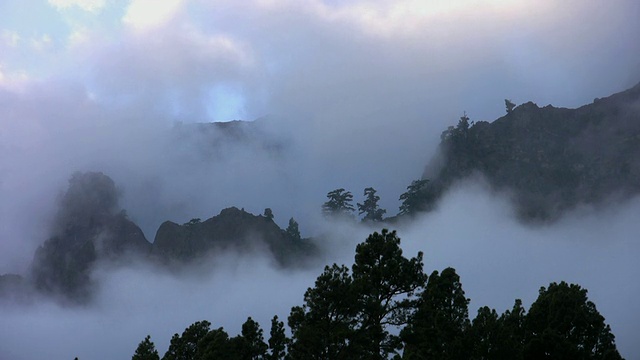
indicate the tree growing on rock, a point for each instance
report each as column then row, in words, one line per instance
column 510, row 105
column 413, row 201
column 369, row 207
column 293, row 230
column 339, row 204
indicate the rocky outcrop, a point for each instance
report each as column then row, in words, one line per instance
column 89, row 227
column 232, row 229
column 551, row 159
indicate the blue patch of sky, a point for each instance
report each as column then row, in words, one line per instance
column 226, row 103
column 30, row 18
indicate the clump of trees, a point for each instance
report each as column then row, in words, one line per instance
column 419, row 197
column 340, row 205
column 385, row 307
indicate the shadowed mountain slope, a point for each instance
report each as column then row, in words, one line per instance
column 90, row 228
column 550, row 159
column 232, row 229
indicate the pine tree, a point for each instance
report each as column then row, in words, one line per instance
column 414, row 200
column 146, row 350
column 292, row 230
column 510, row 105
column 370, row 206
column 339, row 203
column 437, row 328
column 563, row 324
column 185, row 346
column 384, row 281
column 277, row 340
column 324, row 326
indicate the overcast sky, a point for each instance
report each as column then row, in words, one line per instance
column 358, row 91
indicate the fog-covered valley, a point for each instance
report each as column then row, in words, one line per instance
column 497, row 258
column 338, row 95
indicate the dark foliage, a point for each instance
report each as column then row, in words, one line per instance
column 146, row 350
column 563, row 324
column 339, row 204
column 278, row 340
column 438, row 327
column 355, row 314
column 186, row 346
column 416, row 199
column 232, row 229
column 293, row 231
column 370, row 208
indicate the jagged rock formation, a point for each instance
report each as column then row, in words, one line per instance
column 89, row 226
column 552, row 159
column 232, row 229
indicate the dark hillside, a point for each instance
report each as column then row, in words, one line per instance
column 553, row 159
column 231, row 229
column 90, row 227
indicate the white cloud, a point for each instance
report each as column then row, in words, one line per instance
column 42, row 43
column 359, row 90
column 86, row 5
column 10, row 38
column 144, row 14
column 13, row 81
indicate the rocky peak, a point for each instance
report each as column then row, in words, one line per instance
column 551, row 159
column 233, row 229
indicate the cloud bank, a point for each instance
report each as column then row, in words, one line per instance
column 358, row 92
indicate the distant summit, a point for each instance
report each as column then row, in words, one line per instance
column 214, row 139
column 551, row 159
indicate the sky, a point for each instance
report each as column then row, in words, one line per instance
column 357, row 91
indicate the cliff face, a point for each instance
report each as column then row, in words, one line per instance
column 232, row 229
column 552, row 159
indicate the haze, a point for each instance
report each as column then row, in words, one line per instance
column 357, row 92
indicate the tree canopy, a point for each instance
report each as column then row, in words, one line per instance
column 293, row 230
column 369, row 207
column 413, row 201
column 386, row 307
column 339, row 203
column 146, row 350
column 563, row 324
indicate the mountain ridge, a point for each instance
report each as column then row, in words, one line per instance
column 91, row 228
column 552, row 159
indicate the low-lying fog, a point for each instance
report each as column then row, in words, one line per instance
column 497, row 258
